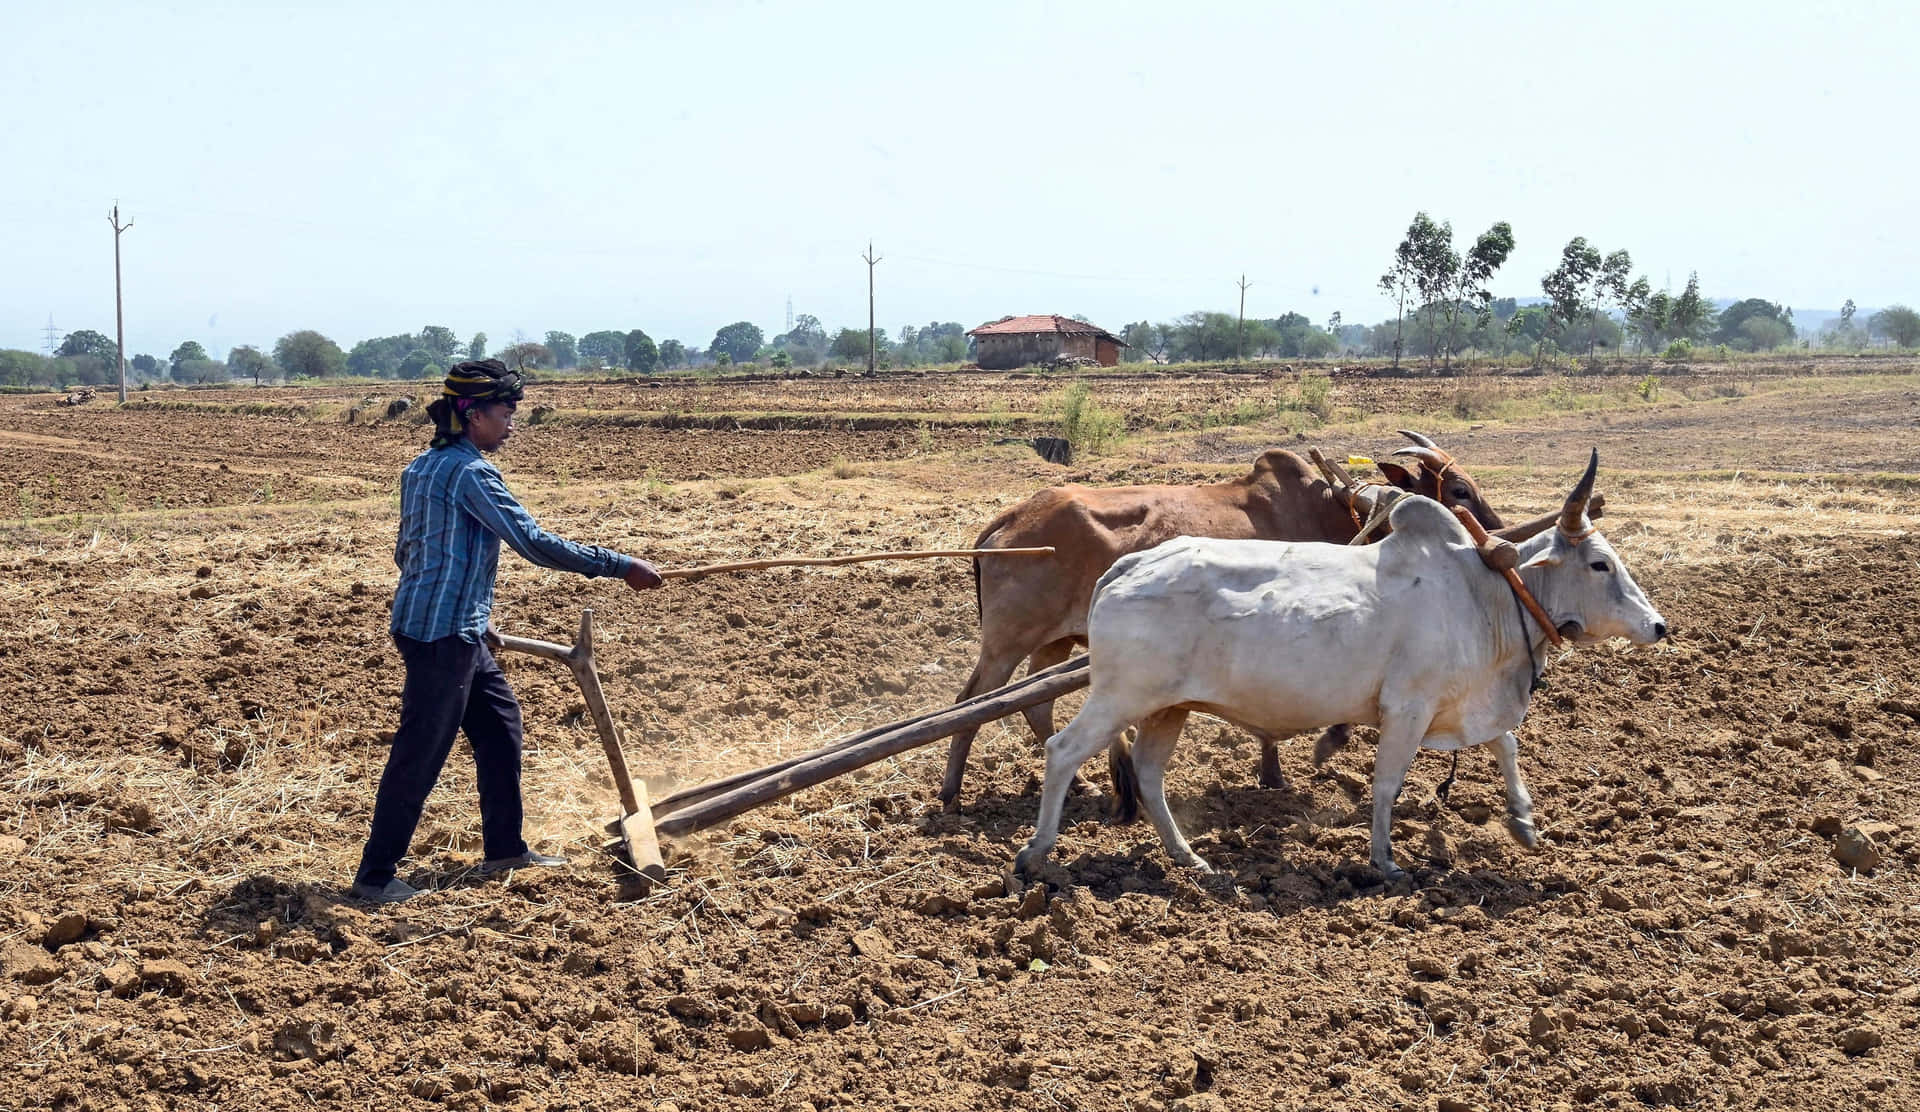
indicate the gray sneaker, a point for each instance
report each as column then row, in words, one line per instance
column 525, row 860
column 392, row 892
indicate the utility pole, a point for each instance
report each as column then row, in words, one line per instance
column 119, row 321
column 872, row 261
column 53, row 336
column 1239, row 340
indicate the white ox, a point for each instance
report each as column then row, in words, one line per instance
column 1414, row 635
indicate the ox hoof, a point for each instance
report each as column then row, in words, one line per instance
column 1026, row 863
column 1523, row 831
column 1198, row 864
column 1271, row 777
column 1080, row 785
column 1390, row 872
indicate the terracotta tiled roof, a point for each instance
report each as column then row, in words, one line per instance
column 1045, row 323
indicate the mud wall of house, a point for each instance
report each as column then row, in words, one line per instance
column 997, row 353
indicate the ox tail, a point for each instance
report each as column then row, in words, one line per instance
column 998, row 523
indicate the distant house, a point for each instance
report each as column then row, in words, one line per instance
column 1018, row 341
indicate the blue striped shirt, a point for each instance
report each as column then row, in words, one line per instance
column 455, row 510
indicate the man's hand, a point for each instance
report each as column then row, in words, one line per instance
column 643, row 576
column 491, row 637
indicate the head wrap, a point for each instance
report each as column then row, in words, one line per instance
column 475, row 382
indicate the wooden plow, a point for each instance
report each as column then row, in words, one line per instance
column 641, row 824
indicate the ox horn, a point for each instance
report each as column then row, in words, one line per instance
column 1434, row 458
column 1422, row 441
column 1573, row 515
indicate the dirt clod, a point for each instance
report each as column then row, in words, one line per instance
column 1854, row 850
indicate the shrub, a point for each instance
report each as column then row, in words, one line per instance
column 1679, row 349
column 1316, row 395
column 1084, row 424
column 1471, row 402
column 1648, row 388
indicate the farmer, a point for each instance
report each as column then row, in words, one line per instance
column 454, row 511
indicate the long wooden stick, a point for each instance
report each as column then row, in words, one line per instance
column 829, row 561
column 686, row 797
column 1479, row 535
column 777, row 781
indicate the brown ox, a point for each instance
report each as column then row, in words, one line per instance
column 1037, row 609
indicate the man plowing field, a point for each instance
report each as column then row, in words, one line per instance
column 455, row 510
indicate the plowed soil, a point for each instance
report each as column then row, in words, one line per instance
column 197, row 690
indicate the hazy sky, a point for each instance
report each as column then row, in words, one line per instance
column 366, row 169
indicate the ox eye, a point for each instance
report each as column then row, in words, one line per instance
column 1599, row 565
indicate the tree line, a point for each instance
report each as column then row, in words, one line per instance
column 1442, row 296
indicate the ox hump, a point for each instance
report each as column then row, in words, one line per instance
column 1421, row 521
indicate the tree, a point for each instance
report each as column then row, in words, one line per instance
column 1566, row 288
column 1469, row 284
column 739, row 340
column 1651, row 314
column 440, row 343
column 1846, row 313
column 1692, row 314
column 1202, row 335
column 1428, row 249
column 251, row 362
column 146, row 366
column 1139, row 338
column 477, row 348
column 851, row 344
column 1610, row 288
column 308, row 354
column 189, row 349
column 88, row 342
column 1734, row 318
column 1763, row 334
column 526, row 355
column 25, row 368
column 201, row 371
column 673, row 353
column 805, row 343
column 81, row 370
column 606, row 346
column 415, row 364
column 641, row 354
column 381, row 356
column 1397, row 283
column 561, row 345
column 1898, row 323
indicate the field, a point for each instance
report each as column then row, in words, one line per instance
column 197, row 688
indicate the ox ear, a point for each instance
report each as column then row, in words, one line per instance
column 1397, row 475
column 1548, row 557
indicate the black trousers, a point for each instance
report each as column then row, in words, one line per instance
column 452, row 685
